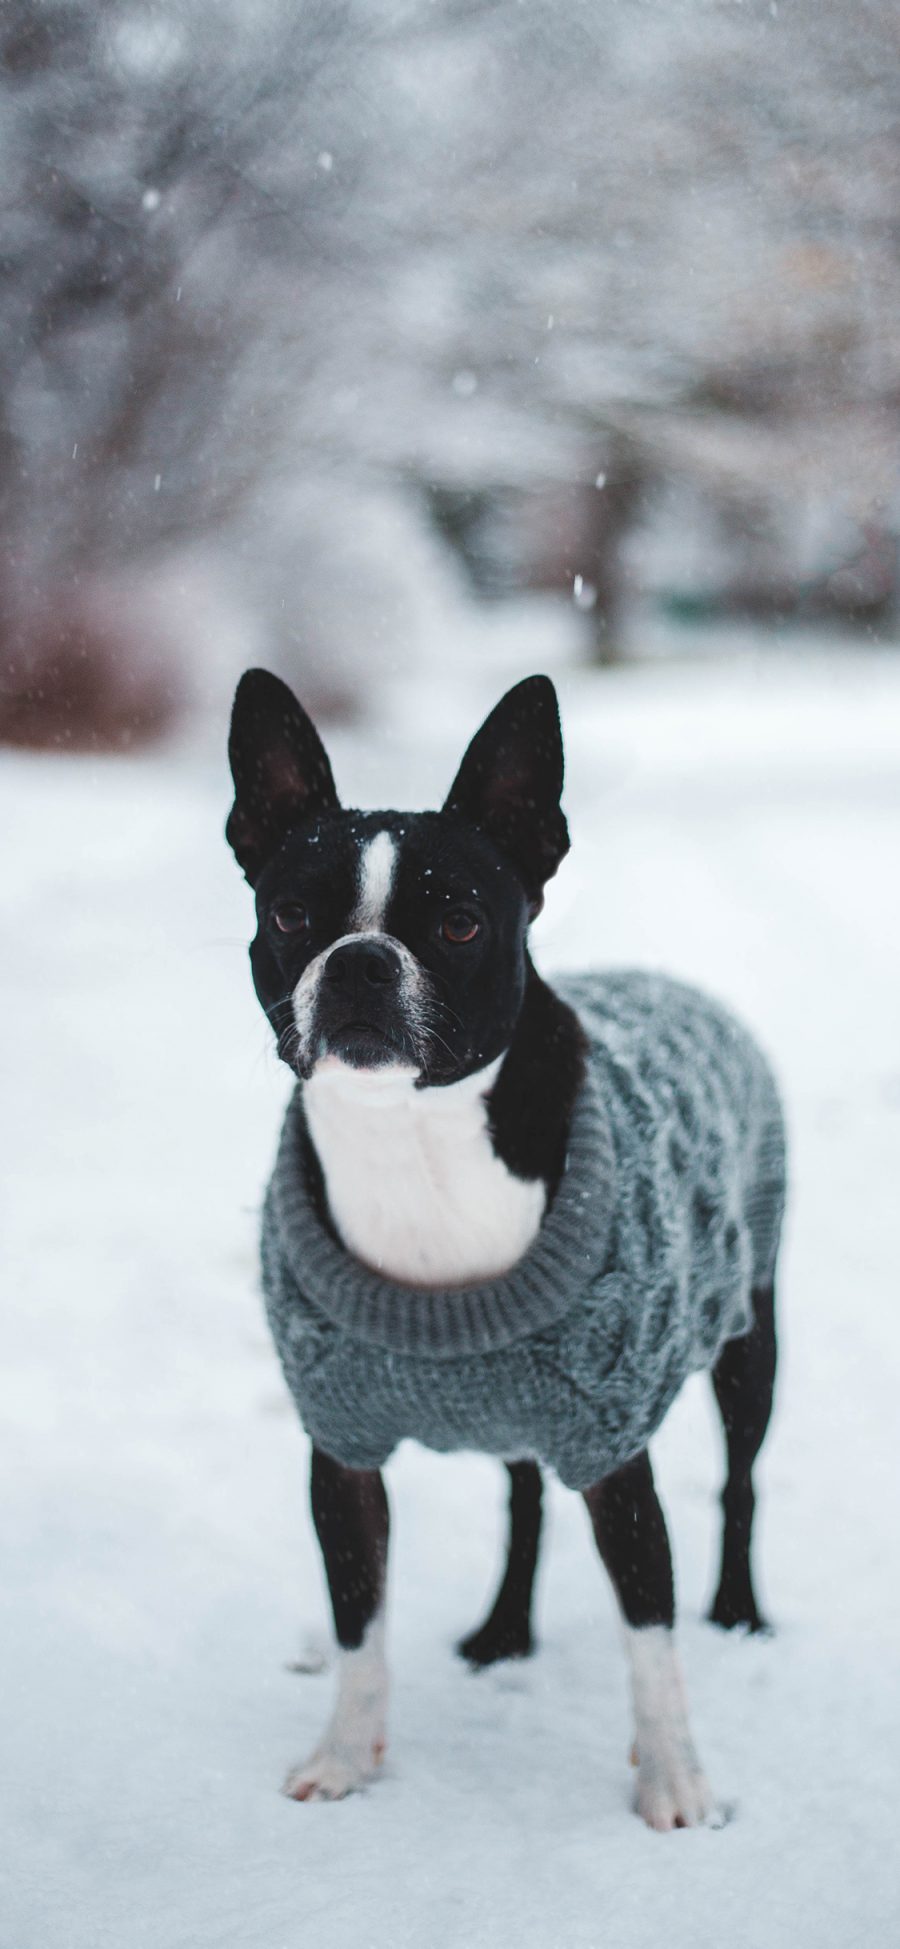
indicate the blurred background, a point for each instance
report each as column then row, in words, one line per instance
column 406, row 347
column 335, row 335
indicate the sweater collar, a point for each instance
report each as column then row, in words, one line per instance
column 570, row 1250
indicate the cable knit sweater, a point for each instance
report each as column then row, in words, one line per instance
column 665, row 1221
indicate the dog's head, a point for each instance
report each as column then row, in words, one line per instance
column 388, row 938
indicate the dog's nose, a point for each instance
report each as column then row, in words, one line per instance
column 362, row 961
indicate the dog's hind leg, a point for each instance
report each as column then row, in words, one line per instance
column 506, row 1631
column 630, row 1531
column 743, row 1378
column 350, row 1513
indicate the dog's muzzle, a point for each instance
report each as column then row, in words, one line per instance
column 359, row 1004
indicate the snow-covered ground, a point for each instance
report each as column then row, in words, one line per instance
column 739, row 823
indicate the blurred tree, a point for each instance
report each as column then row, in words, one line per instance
column 153, row 255
column 658, row 240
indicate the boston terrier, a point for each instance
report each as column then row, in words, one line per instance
column 438, row 1084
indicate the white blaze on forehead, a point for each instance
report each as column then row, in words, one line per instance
column 377, row 864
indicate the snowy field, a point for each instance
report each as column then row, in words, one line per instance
column 739, row 824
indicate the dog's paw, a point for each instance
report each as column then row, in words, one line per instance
column 334, row 1771
column 494, row 1642
column 740, row 1614
column 673, row 1791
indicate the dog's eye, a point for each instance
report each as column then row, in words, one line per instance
column 290, row 917
column 460, row 927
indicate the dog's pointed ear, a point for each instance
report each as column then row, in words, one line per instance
column 280, row 769
column 510, row 781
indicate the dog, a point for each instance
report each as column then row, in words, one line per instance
column 504, row 1216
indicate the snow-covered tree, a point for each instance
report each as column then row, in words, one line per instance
column 287, row 278
column 166, row 227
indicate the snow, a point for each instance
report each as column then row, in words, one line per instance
column 735, row 822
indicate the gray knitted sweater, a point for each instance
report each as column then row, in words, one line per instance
column 666, row 1219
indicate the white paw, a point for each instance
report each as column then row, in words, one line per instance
column 334, row 1771
column 673, row 1790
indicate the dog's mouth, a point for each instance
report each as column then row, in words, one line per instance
column 365, row 1045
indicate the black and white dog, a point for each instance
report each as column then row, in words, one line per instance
column 439, row 1074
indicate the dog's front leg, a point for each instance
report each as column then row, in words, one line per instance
column 350, row 1513
column 631, row 1536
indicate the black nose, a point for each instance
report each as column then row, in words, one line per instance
column 358, row 962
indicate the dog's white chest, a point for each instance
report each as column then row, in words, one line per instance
column 414, row 1187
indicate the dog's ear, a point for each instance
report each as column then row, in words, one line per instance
column 280, row 769
column 510, row 781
